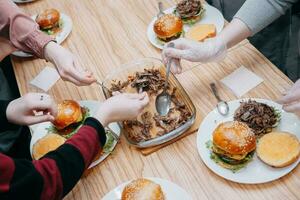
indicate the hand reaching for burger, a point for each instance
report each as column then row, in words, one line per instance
column 121, row 107
column 67, row 65
column 291, row 101
column 210, row 50
column 22, row 111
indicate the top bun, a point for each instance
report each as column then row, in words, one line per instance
column 48, row 18
column 142, row 189
column 168, row 26
column 68, row 112
column 234, row 137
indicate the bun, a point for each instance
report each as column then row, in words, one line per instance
column 46, row 144
column 201, row 32
column 168, row 26
column 68, row 112
column 142, row 189
column 234, row 137
column 278, row 149
column 48, row 18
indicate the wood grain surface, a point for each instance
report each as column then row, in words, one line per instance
column 107, row 33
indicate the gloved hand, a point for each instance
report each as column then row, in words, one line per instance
column 67, row 65
column 210, row 50
column 121, row 107
column 22, row 110
column 291, row 101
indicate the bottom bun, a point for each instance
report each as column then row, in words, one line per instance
column 142, row 189
column 46, row 144
column 278, row 149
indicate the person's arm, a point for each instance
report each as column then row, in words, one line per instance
column 54, row 175
column 21, row 30
column 253, row 16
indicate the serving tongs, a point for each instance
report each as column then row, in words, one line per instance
column 161, row 10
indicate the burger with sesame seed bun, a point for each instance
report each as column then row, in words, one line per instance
column 233, row 145
column 168, row 27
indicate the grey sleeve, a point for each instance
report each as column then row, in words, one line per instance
column 257, row 14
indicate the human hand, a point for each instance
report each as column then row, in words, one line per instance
column 23, row 110
column 291, row 101
column 210, row 50
column 67, row 65
column 121, row 107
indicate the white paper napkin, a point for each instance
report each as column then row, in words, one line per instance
column 241, row 81
column 46, row 79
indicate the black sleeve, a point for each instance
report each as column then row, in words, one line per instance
column 5, row 124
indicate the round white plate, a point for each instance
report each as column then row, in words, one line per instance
column 60, row 37
column 211, row 15
column 40, row 130
column 171, row 190
column 256, row 171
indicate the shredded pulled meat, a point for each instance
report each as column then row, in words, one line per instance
column 188, row 8
column 149, row 124
column 260, row 117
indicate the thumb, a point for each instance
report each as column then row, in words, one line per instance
column 39, row 118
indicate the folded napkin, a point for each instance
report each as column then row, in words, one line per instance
column 241, row 81
column 46, row 79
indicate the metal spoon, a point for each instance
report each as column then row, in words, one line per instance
column 161, row 10
column 163, row 100
column 222, row 106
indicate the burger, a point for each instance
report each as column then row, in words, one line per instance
column 70, row 117
column 233, row 145
column 49, row 21
column 190, row 11
column 168, row 27
column 142, row 188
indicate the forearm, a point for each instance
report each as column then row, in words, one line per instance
column 23, row 32
column 54, row 175
column 257, row 14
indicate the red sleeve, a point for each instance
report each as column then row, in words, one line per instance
column 23, row 32
column 53, row 176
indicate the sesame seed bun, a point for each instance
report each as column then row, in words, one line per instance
column 168, row 26
column 142, row 189
column 46, row 144
column 234, row 138
column 68, row 112
column 48, row 18
column 278, row 149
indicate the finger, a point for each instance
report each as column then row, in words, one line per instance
column 116, row 93
column 67, row 77
column 292, row 107
column 45, row 104
column 290, row 97
column 133, row 95
column 144, row 102
column 175, row 53
column 38, row 119
column 175, row 64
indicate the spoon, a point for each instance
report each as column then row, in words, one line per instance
column 222, row 106
column 163, row 100
column 161, row 12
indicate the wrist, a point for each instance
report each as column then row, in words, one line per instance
column 48, row 50
column 103, row 115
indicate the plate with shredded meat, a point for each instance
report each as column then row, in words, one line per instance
column 262, row 116
column 150, row 129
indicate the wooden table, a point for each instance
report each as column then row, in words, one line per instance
column 107, row 33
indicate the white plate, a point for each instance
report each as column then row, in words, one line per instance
column 211, row 15
column 256, row 171
column 60, row 37
column 40, row 130
column 171, row 190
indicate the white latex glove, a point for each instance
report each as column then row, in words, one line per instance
column 67, row 65
column 210, row 50
column 291, row 101
column 22, row 110
column 121, row 107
